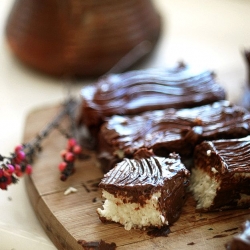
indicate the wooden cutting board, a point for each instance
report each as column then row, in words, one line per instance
column 69, row 218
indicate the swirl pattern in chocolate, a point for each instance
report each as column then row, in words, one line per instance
column 170, row 130
column 144, row 181
column 228, row 156
column 140, row 173
column 134, row 92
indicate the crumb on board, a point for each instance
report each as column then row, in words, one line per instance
column 70, row 190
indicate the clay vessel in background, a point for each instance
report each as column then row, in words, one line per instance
column 79, row 37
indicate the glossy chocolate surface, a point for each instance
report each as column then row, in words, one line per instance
column 170, row 130
column 136, row 180
column 134, row 92
column 228, row 161
column 230, row 156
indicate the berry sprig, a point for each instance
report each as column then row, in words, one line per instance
column 13, row 167
column 19, row 162
column 69, row 155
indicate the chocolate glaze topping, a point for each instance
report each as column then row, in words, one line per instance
column 144, row 172
column 228, row 161
column 134, row 92
column 227, row 156
column 136, row 180
column 170, row 130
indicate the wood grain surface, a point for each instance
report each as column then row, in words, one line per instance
column 69, row 218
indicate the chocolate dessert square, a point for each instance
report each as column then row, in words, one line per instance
column 220, row 178
column 134, row 92
column 144, row 192
column 170, row 130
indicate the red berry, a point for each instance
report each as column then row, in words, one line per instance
column 69, row 157
column 77, row 149
column 20, row 155
column 17, row 161
column 18, row 148
column 11, row 169
column 63, row 177
column 6, row 173
column 1, row 173
column 62, row 166
column 71, row 143
column 63, row 153
column 18, row 173
column 3, row 185
column 28, row 169
column 17, row 168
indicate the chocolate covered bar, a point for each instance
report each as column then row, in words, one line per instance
column 144, row 192
column 220, row 178
column 137, row 91
column 170, row 130
column 241, row 241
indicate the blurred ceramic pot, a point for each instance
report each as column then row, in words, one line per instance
column 79, row 37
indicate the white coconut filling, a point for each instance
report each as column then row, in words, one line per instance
column 242, row 175
column 203, row 187
column 132, row 215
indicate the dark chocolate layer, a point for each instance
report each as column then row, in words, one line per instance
column 170, row 130
column 136, row 181
column 226, row 156
column 228, row 161
column 134, row 92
